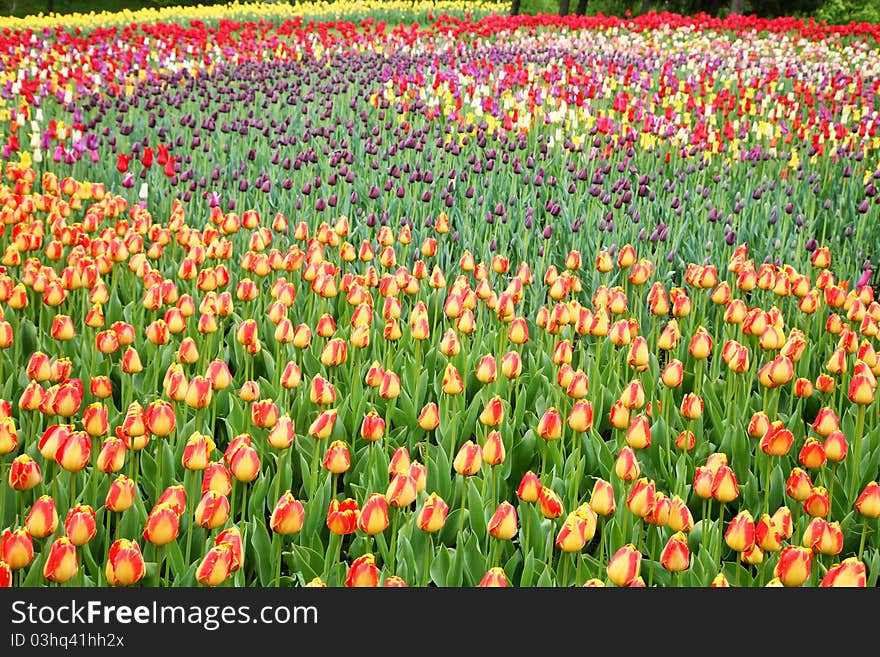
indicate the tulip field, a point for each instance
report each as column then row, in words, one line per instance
column 424, row 294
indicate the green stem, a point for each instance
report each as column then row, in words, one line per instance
column 106, row 551
column 395, row 515
column 167, row 572
column 426, row 574
column 278, row 476
column 72, row 489
column 187, row 484
column 159, row 458
column 857, row 452
column 464, row 483
column 158, row 550
column 864, row 536
column 565, row 561
column 544, row 459
column 720, row 534
column 314, row 474
column 279, row 549
column 332, row 558
column 767, row 484
column 831, row 485
column 698, row 376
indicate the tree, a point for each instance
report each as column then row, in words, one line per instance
column 564, row 6
column 514, row 7
column 737, row 7
column 581, row 9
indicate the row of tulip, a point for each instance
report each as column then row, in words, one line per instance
column 236, row 383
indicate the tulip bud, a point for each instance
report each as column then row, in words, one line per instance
column 432, row 516
column 777, row 440
column 676, row 554
column 212, row 510
column 868, row 502
column 120, row 495
column 493, row 412
column 550, row 503
column 283, row 434
column 849, row 573
column 701, row 344
column 793, row 567
column 342, row 516
column 550, row 425
column 111, row 458
column 80, row 524
column 740, row 534
column 817, row 504
column 24, row 473
column 724, row 485
column 244, row 463
column 673, row 374
column 638, row 434
column 623, row 567
column 362, row 572
column 215, row 566
column 633, row 395
column 323, row 425
column 42, row 519
column 61, row 563
column 503, row 523
column 619, row 415
column 125, row 563
column 493, row 450
column 626, row 465
column 287, row 516
column 468, row 459
column 402, row 490
column 572, row 536
column 264, row 413
column 373, row 518
column 640, row 500
column 692, row 406
column 580, row 418
column 400, row 461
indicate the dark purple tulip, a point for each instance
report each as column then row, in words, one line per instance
column 548, row 232
column 863, row 206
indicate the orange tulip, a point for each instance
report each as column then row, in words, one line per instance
column 623, row 567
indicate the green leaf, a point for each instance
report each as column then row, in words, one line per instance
column 309, row 563
column 528, row 570
column 405, row 558
column 455, row 576
column 440, row 566
column 546, row 578
column 476, row 512
column 475, row 562
column 175, row 557
column 257, row 497
column 263, row 554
